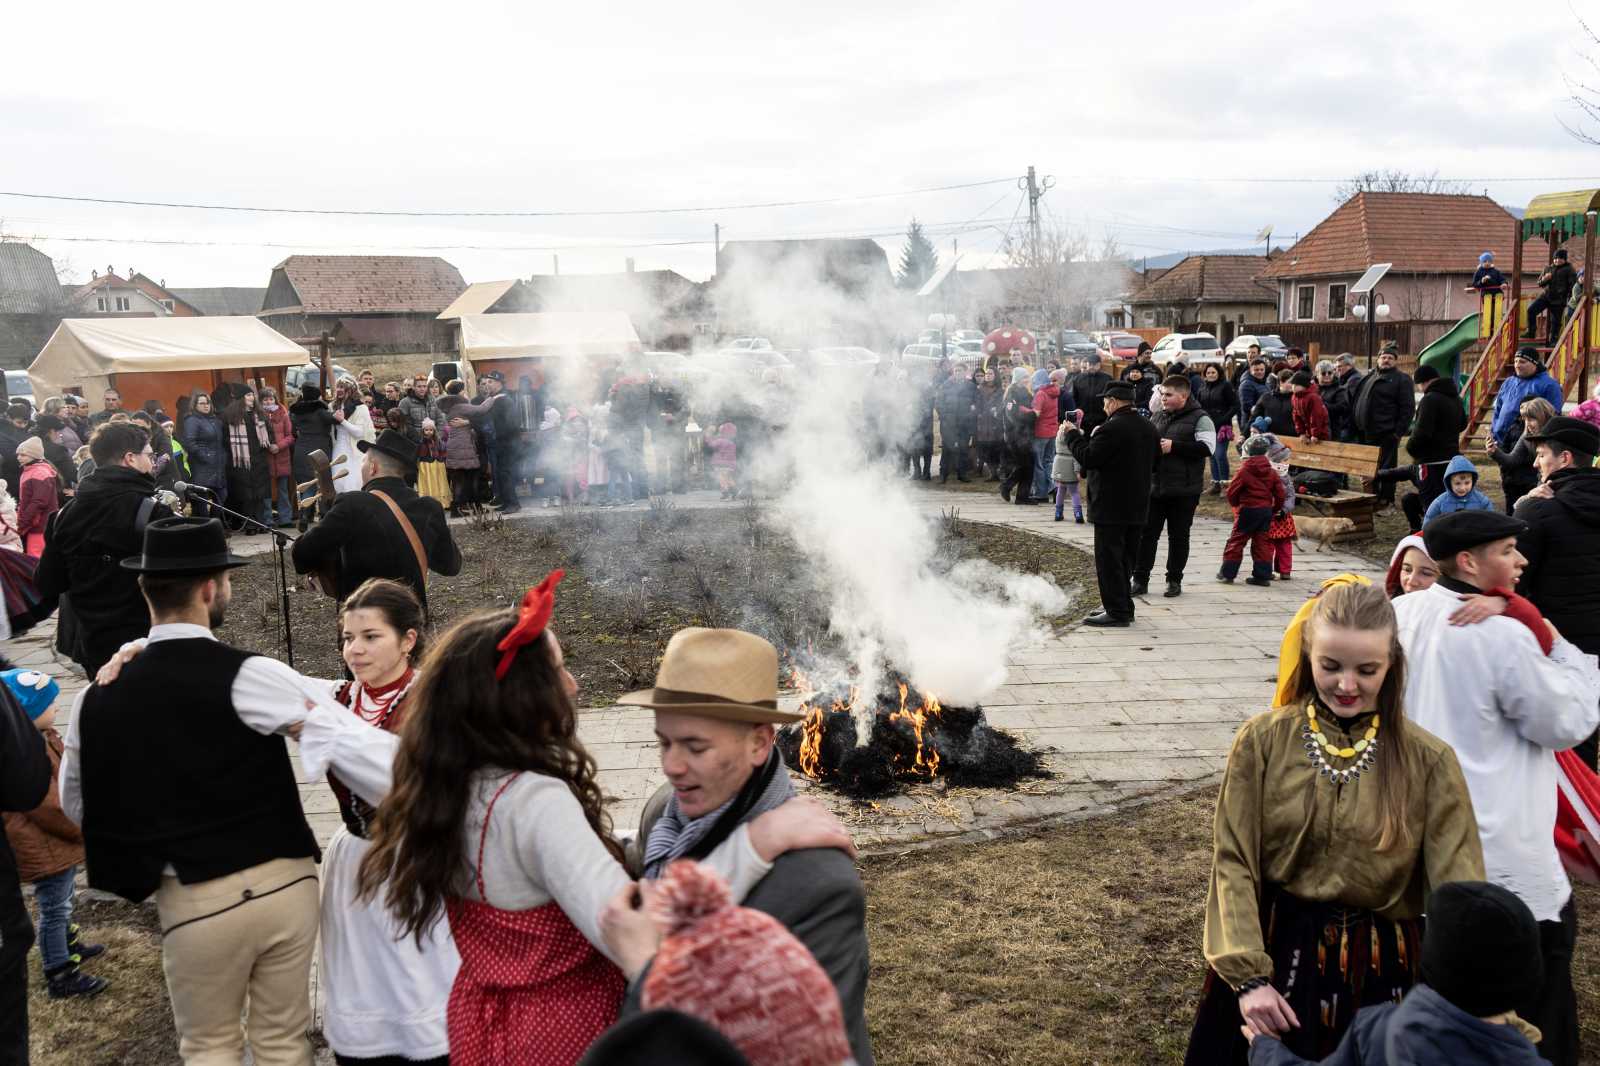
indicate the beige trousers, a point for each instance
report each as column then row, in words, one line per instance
column 241, row 946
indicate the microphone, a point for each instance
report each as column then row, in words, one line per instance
column 183, row 488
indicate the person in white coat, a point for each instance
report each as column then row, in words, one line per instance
column 352, row 425
column 1505, row 707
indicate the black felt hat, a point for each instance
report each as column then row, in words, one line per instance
column 1121, row 390
column 175, row 546
column 1573, row 433
column 394, row 444
column 1424, row 375
column 1481, row 948
column 1461, row 531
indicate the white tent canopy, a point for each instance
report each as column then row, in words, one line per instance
column 550, row 334
column 84, row 352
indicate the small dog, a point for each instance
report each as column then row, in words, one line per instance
column 1322, row 529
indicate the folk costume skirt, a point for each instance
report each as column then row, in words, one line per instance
column 433, row 480
column 1328, row 961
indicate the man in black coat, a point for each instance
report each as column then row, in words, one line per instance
column 1188, row 437
column 14, row 429
column 90, row 536
column 24, row 780
column 1118, row 460
column 1436, row 438
column 361, row 537
column 499, row 423
column 1384, row 404
column 957, row 404
column 1276, row 405
column 1558, row 280
column 1562, row 541
column 1088, row 390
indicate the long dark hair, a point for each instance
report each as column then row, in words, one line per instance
column 460, row 721
column 1367, row 607
column 396, row 602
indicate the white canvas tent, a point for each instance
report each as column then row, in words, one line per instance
column 88, row 354
column 557, row 334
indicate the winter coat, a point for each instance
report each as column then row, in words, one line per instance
column 1384, row 403
column 1218, row 400
column 1517, row 473
column 44, row 840
column 988, row 430
column 1558, row 281
column 1310, row 414
column 359, row 535
column 1256, row 484
column 10, row 437
column 1513, row 392
column 1017, row 416
column 1487, row 279
column 1339, row 402
column 205, row 442
column 1088, row 396
column 311, row 425
column 1440, row 422
column 1250, row 392
column 1182, row 471
column 416, row 410
column 9, row 537
column 724, row 447
column 1046, row 402
column 38, row 498
column 1144, row 389
column 1278, row 407
column 1589, row 411
column 1119, row 459
column 281, row 462
column 1424, row 1028
column 1562, row 545
column 956, row 401
column 1063, row 469
column 61, row 459
column 1447, row 502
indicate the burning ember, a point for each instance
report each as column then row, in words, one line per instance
column 910, row 737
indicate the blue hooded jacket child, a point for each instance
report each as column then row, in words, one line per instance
column 1448, row 502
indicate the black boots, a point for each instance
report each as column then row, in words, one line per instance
column 67, row 980
column 1174, row 590
column 1138, row 586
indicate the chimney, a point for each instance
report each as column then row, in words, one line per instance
column 630, row 264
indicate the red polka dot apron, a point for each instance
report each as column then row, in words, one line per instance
column 531, row 990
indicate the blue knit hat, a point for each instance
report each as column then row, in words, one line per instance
column 1261, row 424
column 1485, row 257
column 34, row 691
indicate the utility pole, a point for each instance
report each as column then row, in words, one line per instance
column 716, row 245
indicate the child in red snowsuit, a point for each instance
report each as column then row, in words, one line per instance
column 1255, row 493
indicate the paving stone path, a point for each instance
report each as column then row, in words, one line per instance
column 1124, row 713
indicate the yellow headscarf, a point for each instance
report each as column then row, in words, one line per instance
column 1289, row 684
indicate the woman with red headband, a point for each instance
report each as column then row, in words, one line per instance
column 496, row 822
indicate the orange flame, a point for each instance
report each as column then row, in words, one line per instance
column 927, row 759
column 811, row 743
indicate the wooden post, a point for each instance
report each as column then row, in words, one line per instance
column 1586, row 303
column 1516, row 277
column 327, row 345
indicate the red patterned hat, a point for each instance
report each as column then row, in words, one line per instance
column 742, row 972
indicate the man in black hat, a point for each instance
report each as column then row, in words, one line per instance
column 1119, row 459
column 192, row 798
column 1384, row 403
column 1505, row 706
column 1562, row 541
column 385, row 530
column 1557, row 281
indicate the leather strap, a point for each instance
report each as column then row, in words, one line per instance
column 410, row 532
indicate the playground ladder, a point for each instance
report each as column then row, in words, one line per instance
column 1565, row 362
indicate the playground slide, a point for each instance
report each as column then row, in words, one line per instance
column 1444, row 354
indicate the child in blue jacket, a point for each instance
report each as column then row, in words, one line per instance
column 1461, row 491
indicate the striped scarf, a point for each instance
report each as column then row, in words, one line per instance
column 239, row 445
column 674, row 836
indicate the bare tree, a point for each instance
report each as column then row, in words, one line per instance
column 1398, row 181
column 1585, row 95
column 1044, row 287
column 1426, row 299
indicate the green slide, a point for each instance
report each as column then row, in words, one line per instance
column 1444, row 354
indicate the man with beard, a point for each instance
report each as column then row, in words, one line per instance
column 1188, row 437
column 96, row 529
column 1384, row 403
column 716, row 709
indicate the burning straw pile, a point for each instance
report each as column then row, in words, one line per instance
column 912, row 739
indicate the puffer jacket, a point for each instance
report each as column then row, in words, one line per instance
column 1562, row 545
column 461, row 446
column 1063, row 469
column 1279, row 410
column 1218, row 400
column 1047, row 403
column 989, row 405
column 1250, row 392
column 1440, row 422
column 205, row 440
column 44, row 840
column 1310, row 414
column 1447, row 502
column 1256, row 484
column 1513, row 392
column 281, row 427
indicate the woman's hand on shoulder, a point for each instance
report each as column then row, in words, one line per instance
column 628, row 929
column 113, row 667
column 1475, row 609
column 798, row 824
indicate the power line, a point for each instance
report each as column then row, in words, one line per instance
column 501, row 214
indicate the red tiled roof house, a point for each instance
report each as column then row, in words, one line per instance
column 1215, row 294
column 371, row 303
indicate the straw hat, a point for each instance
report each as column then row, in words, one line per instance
column 716, row 673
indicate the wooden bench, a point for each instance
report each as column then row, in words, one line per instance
column 1355, row 460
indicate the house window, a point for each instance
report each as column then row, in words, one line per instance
column 1306, row 298
column 167, row 304
column 1336, row 301
column 122, row 303
column 100, row 303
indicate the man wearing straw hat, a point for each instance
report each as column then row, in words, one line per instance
column 716, row 713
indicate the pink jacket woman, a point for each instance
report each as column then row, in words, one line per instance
column 38, row 496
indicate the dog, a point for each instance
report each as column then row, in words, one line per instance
column 1322, row 529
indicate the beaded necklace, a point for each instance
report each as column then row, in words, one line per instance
column 375, row 706
column 1319, row 748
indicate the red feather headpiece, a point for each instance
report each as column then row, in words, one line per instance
column 533, row 616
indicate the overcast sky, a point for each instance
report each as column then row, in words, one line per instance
column 1138, row 111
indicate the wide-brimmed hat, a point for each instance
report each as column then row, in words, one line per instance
column 394, row 444
column 716, row 673
column 174, row 546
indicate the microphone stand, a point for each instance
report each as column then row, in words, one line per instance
column 280, row 540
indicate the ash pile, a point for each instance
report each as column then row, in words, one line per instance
column 911, row 738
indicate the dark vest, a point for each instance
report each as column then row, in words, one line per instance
column 171, row 775
column 1179, row 475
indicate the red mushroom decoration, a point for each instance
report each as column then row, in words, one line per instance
column 1001, row 343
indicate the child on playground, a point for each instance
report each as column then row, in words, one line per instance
column 49, row 850
column 1461, row 491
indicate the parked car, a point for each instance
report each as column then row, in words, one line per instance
column 749, row 344
column 967, row 346
column 1119, row 345
column 675, row 368
column 747, row 362
column 310, row 374
column 18, row 387
column 1192, row 348
column 967, row 335
column 1074, row 343
column 1272, row 345
column 843, row 362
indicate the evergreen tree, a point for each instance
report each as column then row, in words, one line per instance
column 918, row 260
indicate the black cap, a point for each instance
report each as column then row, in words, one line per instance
column 1574, row 433
column 174, row 546
column 394, row 444
column 1561, row 254
column 1462, row 531
column 1531, row 354
column 1425, row 374
column 1301, row 378
column 1121, row 390
column 1481, row 948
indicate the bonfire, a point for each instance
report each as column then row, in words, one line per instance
column 874, row 746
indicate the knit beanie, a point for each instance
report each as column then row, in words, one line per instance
column 742, row 972
column 1531, row 354
column 1485, row 258
column 33, row 691
column 1261, row 424
column 1258, row 445
column 30, row 450
column 1481, row 948
column 1424, row 375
